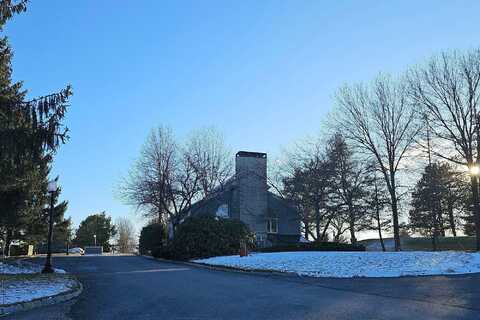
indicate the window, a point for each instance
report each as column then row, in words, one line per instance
column 272, row 225
column 222, row 211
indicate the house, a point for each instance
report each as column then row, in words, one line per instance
column 246, row 196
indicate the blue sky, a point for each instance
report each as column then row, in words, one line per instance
column 263, row 72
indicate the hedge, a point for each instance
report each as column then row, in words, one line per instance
column 206, row 236
column 314, row 246
column 152, row 237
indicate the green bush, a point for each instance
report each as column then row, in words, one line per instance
column 18, row 250
column 205, row 236
column 165, row 252
column 152, row 236
column 315, row 246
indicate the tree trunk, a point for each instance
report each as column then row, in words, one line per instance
column 451, row 219
column 8, row 241
column 396, row 226
column 353, row 239
column 436, row 223
column 379, row 226
column 324, row 233
column 307, row 227
column 381, row 237
column 317, row 221
column 377, row 216
column 393, row 195
column 441, row 224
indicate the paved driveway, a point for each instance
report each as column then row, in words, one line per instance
column 130, row 287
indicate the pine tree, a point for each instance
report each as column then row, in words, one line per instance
column 98, row 225
column 436, row 201
column 30, row 133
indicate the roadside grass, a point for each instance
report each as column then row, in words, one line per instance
column 34, row 277
column 463, row 243
column 25, row 287
column 460, row 243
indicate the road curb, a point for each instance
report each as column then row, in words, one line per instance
column 259, row 272
column 40, row 302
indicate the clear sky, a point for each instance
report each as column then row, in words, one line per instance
column 263, row 72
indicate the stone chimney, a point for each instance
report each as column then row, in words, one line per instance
column 251, row 175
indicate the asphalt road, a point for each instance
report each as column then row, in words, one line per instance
column 130, row 287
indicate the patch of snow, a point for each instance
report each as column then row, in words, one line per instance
column 27, row 290
column 355, row 264
column 6, row 268
column 23, row 268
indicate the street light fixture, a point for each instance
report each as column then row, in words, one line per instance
column 95, row 239
column 52, row 188
column 474, row 170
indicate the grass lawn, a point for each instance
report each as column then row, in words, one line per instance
column 463, row 243
column 20, row 282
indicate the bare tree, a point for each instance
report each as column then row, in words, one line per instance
column 307, row 183
column 381, row 123
column 126, row 239
column 168, row 178
column 348, row 185
column 448, row 89
column 377, row 200
column 339, row 225
column 148, row 182
column 210, row 159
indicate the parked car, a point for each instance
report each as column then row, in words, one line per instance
column 76, row 250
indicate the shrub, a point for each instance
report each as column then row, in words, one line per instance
column 205, row 236
column 152, row 237
column 315, row 246
column 18, row 250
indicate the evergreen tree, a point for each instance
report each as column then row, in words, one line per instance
column 30, row 133
column 296, row 190
column 436, row 200
column 99, row 225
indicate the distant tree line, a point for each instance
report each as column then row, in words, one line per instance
column 381, row 134
column 336, row 194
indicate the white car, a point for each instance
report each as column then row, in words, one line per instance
column 76, row 250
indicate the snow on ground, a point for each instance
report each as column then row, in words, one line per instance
column 27, row 290
column 22, row 281
column 355, row 264
column 6, row 268
column 21, row 267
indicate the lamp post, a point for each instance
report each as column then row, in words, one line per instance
column 95, row 239
column 52, row 188
column 474, row 170
column 68, row 241
column 475, row 178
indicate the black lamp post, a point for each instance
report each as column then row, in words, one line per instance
column 52, row 188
